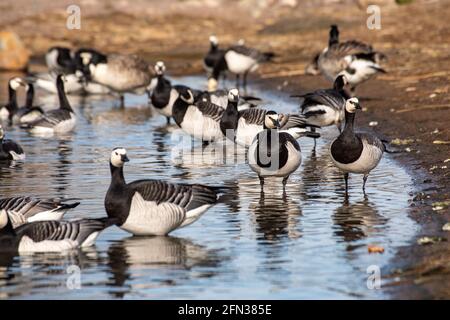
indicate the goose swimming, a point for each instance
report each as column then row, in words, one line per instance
column 49, row 236
column 355, row 152
column 23, row 210
column 153, row 207
column 8, row 111
column 9, row 149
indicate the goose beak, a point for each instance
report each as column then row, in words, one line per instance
column 124, row 158
column 276, row 123
column 358, row 106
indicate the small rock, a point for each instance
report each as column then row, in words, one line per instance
column 446, row 160
column 364, row 109
column 392, row 110
column 398, row 141
column 429, row 240
column 373, row 123
column 408, row 149
column 435, row 131
column 441, row 142
column 410, row 89
column 13, row 54
column 446, row 227
column 433, row 95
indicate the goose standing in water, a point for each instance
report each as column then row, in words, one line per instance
column 49, row 236
column 29, row 112
column 242, row 126
column 9, row 149
column 23, row 210
column 325, row 107
column 153, row 207
column 200, row 119
column 120, row 73
column 239, row 60
column 220, row 98
column 165, row 94
column 8, row 111
column 275, row 153
column 355, row 152
column 355, row 60
column 59, row 120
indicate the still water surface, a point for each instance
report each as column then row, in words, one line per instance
column 304, row 243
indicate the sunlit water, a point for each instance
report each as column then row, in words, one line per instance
column 305, row 243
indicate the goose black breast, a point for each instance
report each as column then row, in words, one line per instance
column 161, row 95
column 347, row 149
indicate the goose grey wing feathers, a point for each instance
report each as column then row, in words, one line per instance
column 342, row 49
column 326, row 97
column 186, row 196
column 253, row 116
column 27, row 207
column 210, row 109
column 51, row 118
column 372, row 140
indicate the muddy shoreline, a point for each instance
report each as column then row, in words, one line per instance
column 410, row 103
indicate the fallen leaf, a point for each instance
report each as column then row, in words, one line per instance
column 375, row 249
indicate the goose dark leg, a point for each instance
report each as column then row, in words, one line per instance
column 285, row 179
column 346, row 183
column 122, row 101
column 168, row 120
column 261, row 182
column 364, row 183
column 244, row 83
column 237, row 81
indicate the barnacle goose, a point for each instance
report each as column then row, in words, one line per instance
column 165, row 94
column 239, row 60
column 120, row 73
column 153, row 207
column 325, row 107
column 49, row 236
column 354, row 59
column 29, row 112
column 213, row 56
column 275, row 153
column 73, row 83
column 9, row 149
column 7, row 111
column 60, row 60
column 220, row 98
column 55, row 121
column 23, row 210
column 200, row 119
column 312, row 68
column 355, row 152
column 242, row 126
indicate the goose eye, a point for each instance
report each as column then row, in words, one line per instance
column 117, row 154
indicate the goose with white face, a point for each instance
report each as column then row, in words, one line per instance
column 119, row 157
column 352, row 104
column 233, row 95
column 213, row 40
column 271, row 120
column 160, row 68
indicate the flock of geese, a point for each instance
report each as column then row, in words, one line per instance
column 156, row 207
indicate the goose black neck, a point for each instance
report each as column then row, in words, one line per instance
column 12, row 98
column 117, row 177
column 349, row 121
column 213, row 47
column 63, row 102
column 8, row 229
column 30, row 96
column 334, row 36
column 220, row 67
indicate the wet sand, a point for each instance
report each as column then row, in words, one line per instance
column 410, row 102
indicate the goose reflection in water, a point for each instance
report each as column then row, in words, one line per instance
column 357, row 221
column 138, row 262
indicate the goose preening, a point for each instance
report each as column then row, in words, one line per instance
column 120, row 73
column 56, row 121
column 60, row 60
column 200, row 119
column 275, row 153
column 7, row 111
column 164, row 94
column 239, row 60
column 23, row 210
column 220, row 98
column 325, row 107
column 242, row 126
column 213, row 56
column 153, row 207
column 9, row 149
column 354, row 59
column 49, row 236
column 355, row 152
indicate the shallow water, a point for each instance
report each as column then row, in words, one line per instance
column 304, row 243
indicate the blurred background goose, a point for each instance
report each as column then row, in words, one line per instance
column 220, row 98
column 356, row 60
column 213, row 56
column 60, row 60
column 10, row 108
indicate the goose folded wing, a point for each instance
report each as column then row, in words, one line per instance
column 371, row 140
column 253, row 116
column 353, row 47
column 323, row 97
column 27, row 206
column 9, row 145
column 184, row 196
column 211, row 110
column 293, row 120
column 52, row 118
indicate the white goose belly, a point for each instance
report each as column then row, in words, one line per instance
column 239, row 63
column 150, row 218
column 168, row 109
column 369, row 159
column 245, row 133
column 292, row 164
column 200, row 126
column 330, row 117
column 363, row 71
